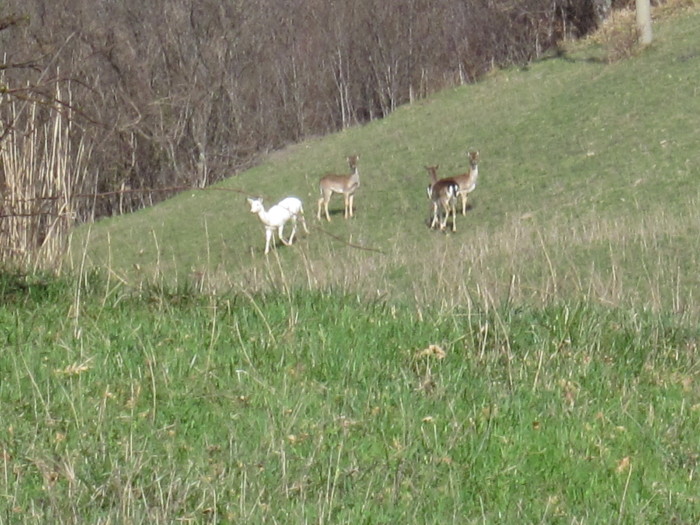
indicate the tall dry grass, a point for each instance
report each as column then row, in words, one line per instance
column 624, row 261
column 44, row 166
column 618, row 35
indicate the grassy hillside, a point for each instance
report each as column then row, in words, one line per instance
column 378, row 372
column 588, row 187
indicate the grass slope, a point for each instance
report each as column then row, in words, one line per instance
column 588, row 186
column 454, row 396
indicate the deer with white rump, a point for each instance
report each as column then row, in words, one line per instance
column 442, row 194
column 344, row 184
column 277, row 216
column 467, row 181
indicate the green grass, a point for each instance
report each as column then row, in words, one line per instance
column 168, row 405
column 588, row 175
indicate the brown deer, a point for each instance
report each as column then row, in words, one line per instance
column 442, row 194
column 345, row 184
column 467, row 181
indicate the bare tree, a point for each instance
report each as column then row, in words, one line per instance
column 644, row 21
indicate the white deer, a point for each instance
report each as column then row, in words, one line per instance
column 277, row 216
column 467, row 181
column 442, row 194
column 345, row 184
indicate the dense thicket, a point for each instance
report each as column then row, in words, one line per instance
column 183, row 92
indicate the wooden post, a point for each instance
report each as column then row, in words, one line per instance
column 644, row 21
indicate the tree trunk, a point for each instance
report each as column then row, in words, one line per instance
column 644, row 21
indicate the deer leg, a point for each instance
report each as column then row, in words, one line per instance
column 324, row 200
column 280, row 234
column 434, row 216
column 268, row 237
column 303, row 221
column 443, row 224
column 351, row 202
column 294, row 230
column 438, row 215
column 320, row 204
column 323, row 204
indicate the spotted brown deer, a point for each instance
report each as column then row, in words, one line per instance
column 467, row 181
column 442, row 194
column 344, row 184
